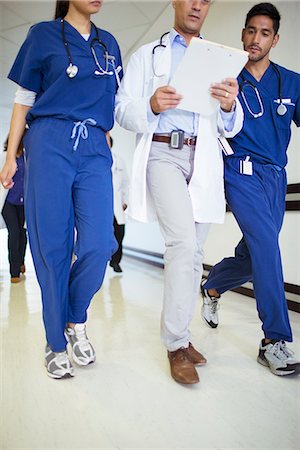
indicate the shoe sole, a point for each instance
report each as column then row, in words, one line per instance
column 185, row 382
column 263, row 362
column 57, row 377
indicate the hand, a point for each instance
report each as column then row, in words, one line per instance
column 7, row 173
column 164, row 98
column 124, row 206
column 226, row 93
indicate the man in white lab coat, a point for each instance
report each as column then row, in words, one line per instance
column 121, row 186
column 178, row 183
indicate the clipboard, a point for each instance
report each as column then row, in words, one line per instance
column 205, row 63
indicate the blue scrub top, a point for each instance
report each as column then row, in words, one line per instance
column 266, row 138
column 41, row 65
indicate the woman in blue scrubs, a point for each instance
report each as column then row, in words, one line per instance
column 68, row 73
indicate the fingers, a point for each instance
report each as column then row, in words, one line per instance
column 164, row 98
column 6, row 175
column 7, row 182
column 225, row 92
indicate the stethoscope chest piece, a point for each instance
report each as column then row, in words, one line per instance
column 281, row 110
column 72, row 70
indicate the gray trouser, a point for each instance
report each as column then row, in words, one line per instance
column 168, row 174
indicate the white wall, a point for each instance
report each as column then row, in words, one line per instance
column 224, row 25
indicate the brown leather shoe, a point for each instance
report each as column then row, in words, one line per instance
column 182, row 368
column 15, row 279
column 195, row 356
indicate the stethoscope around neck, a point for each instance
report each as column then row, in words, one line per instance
column 162, row 45
column 281, row 109
column 72, row 69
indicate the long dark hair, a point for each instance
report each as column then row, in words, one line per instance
column 61, row 9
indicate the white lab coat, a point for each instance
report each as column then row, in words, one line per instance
column 206, row 186
column 121, row 188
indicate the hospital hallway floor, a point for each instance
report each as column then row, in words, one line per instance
column 127, row 399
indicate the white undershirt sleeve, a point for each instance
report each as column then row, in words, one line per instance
column 25, row 97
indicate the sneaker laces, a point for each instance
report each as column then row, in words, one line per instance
column 214, row 305
column 82, row 338
column 61, row 359
column 181, row 354
column 281, row 351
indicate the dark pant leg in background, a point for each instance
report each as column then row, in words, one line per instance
column 14, row 218
column 119, row 235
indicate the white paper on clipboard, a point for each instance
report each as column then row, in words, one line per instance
column 205, row 63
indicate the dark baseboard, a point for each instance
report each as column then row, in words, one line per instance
column 293, row 188
column 156, row 259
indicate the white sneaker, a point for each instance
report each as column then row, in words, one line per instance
column 58, row 364
column 82, row 350
column 209, row 310
column 278, row 358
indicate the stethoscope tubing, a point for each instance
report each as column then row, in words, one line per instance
column 281, row 109
column 72, row 69
column 162, row 45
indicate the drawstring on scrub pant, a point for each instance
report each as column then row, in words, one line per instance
column 81, row 130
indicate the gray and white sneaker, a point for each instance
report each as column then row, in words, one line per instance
column 58, row 364
column 209, row 310
column 278, row 358
column 82, row 350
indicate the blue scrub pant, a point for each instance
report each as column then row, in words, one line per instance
column 258, row 204
column 66, row 189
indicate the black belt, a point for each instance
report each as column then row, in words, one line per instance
column 190, row 141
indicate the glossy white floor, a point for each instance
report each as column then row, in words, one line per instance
column 127, row 400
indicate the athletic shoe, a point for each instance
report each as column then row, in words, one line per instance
column 58, row 364
column 82, row 350
column 278, row 358
column 209, row 310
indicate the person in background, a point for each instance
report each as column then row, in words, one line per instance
column 178, row 181
column 120, row 186
column 255, row 182
column 14, row 218
column 67, row 72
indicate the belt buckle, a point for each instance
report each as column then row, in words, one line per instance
column 189, row 141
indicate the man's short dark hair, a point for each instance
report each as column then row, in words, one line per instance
column 265, row 9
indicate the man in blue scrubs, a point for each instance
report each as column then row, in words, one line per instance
column 255, row 181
